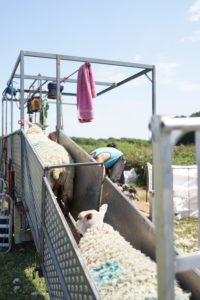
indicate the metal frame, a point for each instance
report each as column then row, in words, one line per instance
column 59, row 58
column 26, row 174
column 166, row 132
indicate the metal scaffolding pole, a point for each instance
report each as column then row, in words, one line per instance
column 124, row 81
column 58, row 106
column 50, row 78
column 88, row 59
column 22, row 90
column 153, row 90
column 15, row 69
column 11, row 112
column 2, row 119
column 145, row 69
column 6, row 119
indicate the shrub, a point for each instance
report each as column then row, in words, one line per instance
column 138, row 152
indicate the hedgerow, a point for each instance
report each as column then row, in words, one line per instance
column 138, row 152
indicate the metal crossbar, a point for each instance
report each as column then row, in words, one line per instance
column 166, row 132
column 20, row 64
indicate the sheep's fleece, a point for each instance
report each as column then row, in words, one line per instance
column 51, row 153
column 119, row 270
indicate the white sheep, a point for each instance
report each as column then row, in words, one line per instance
column 119, row 270
column 52, row 153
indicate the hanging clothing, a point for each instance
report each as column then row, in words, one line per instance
column 85, row 93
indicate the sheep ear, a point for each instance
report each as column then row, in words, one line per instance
column 104, row 208
column 88, row 217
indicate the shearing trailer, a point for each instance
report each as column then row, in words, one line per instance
column 36, row 207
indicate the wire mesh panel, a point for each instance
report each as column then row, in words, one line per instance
column 66, row 273
column 16, row 162
column 32, row 178
column 1, row 155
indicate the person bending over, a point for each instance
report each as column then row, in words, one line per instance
column 113, row 160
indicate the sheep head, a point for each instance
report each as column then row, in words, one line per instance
column 89, row 218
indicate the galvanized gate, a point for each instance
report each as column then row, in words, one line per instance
column 166, row 132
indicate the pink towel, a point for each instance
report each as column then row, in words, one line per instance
column 85, row 93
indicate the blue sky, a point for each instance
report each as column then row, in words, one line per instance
column 161, row 33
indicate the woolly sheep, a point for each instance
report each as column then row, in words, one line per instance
column 119, row 270
column 51, row 153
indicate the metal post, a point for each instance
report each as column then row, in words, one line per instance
column 41, row 111
column 6, row 119
column 58, row 106
column 152, row 198
column 11, row 111
column 22, row 90
column 153, row 90
column 197, row 140
column 15, row 69
column 2, row 121
column 22, row 121
column 163, row 210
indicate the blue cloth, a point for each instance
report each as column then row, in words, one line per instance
column 115, row 154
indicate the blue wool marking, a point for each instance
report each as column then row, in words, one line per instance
column 37, row 144
column 106, row 271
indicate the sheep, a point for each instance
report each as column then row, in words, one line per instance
column 52, row 153
column 119, row 270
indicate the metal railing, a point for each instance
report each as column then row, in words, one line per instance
column 65, row 273
column 166, row 132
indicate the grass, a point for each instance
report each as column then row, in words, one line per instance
column 141, row 191
column 16, row 275
column 186, row 235
column 185, row 230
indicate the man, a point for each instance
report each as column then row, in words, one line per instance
column 113, row 160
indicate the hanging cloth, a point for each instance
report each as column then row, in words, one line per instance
column 45, row 108
column 85, row 93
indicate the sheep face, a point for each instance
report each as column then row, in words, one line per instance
column 89, row 218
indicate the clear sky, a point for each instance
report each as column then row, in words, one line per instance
column 161, row 33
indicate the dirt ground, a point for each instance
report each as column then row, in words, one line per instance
column 142, row 206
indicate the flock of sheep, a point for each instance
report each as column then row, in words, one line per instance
column 118, row 270
column 52, row 153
